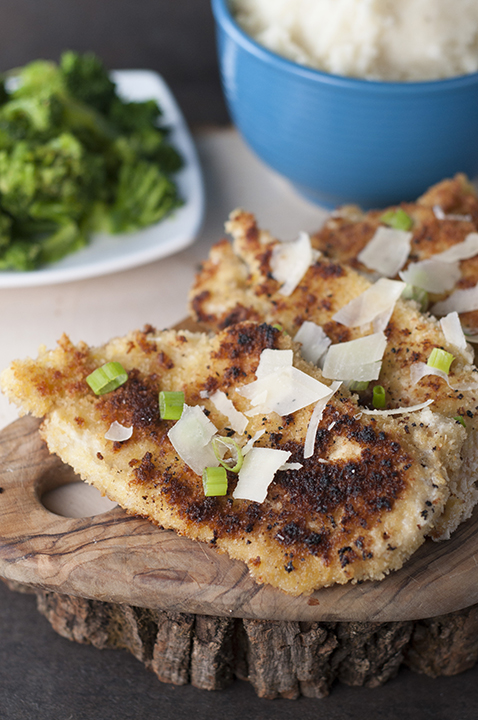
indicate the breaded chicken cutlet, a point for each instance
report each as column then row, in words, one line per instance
column 440, row 219
column 236, row 283
column 354, row 509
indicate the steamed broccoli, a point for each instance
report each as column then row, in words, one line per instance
column 74, row 159
column 87, row 80
column 144, row 195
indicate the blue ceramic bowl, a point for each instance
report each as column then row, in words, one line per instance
column 342, row 140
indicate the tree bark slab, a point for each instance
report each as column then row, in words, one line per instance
column 279, row 658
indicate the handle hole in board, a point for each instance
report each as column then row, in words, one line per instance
column 62, row 492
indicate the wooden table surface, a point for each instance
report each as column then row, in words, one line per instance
column 42, row 675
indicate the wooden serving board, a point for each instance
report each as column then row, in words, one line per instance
column 114, row 557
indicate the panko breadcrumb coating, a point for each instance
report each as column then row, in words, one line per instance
column 235, row 283
column 355, row 510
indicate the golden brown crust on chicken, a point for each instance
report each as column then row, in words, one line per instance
column 356, row 509
column 349, row 230
column 235, row 283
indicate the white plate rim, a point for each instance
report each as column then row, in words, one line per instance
column 106, row 254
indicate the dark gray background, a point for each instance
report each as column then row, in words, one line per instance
column 173, row 37
column 43, row 676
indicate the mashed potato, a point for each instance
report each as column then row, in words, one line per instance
column 395, row 40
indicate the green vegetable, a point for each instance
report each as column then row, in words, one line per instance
column 398, row 219
column 214, row 480
column 75, row 159
column 106, row 378
column 358, row 385
column 411, row 292
column 378, row 398
column 86, row 79
column 233, row 463
column 440, row 360
column 459, row 419
column 171, row 404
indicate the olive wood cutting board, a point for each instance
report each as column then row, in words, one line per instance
column 115, row 557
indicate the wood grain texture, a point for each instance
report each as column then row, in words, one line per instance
column 119, row 558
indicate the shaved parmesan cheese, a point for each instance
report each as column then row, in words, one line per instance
column 420, row 370
column 257, row 472
column 452, row 330
column 441, row 215
column 377, row 301
column 387, row 251
column 237, row 420
column 290, row 261
column 272, row 361
column 315, row 419
column 461, row 251
column 280, row 387
column 398, row 411
column 359, row 359
column 249, row 444
column 287, row 391
column 381, row 321
column 432, row 275
column 313, row 340
column 441, row 272
column 191, row 437
column 291, row 466
column 118, row 432
column 439, row 212
column 460, row 300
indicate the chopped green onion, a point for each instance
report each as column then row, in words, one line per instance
column 229, row 444
column 440, row 360
column 459, row 419
column 106, row 378
column 278, row 326
column 358, row 385
column 214, row 480
column 171, row 404
column 378, row 398
column 398, row 219
column 411, row 292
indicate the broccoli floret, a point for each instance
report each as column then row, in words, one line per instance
column 5, row 230
column 68, row 238
column 56, row 179
column 37, row 118
column 144, row 196
column 18, row 182
column 49, row 190
column 87, row 80
column 4, row 96
column 39, row 78
column 140, row 134
column 149, row 145
column 130, row 117
column 69, row 175
column 20, row 255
